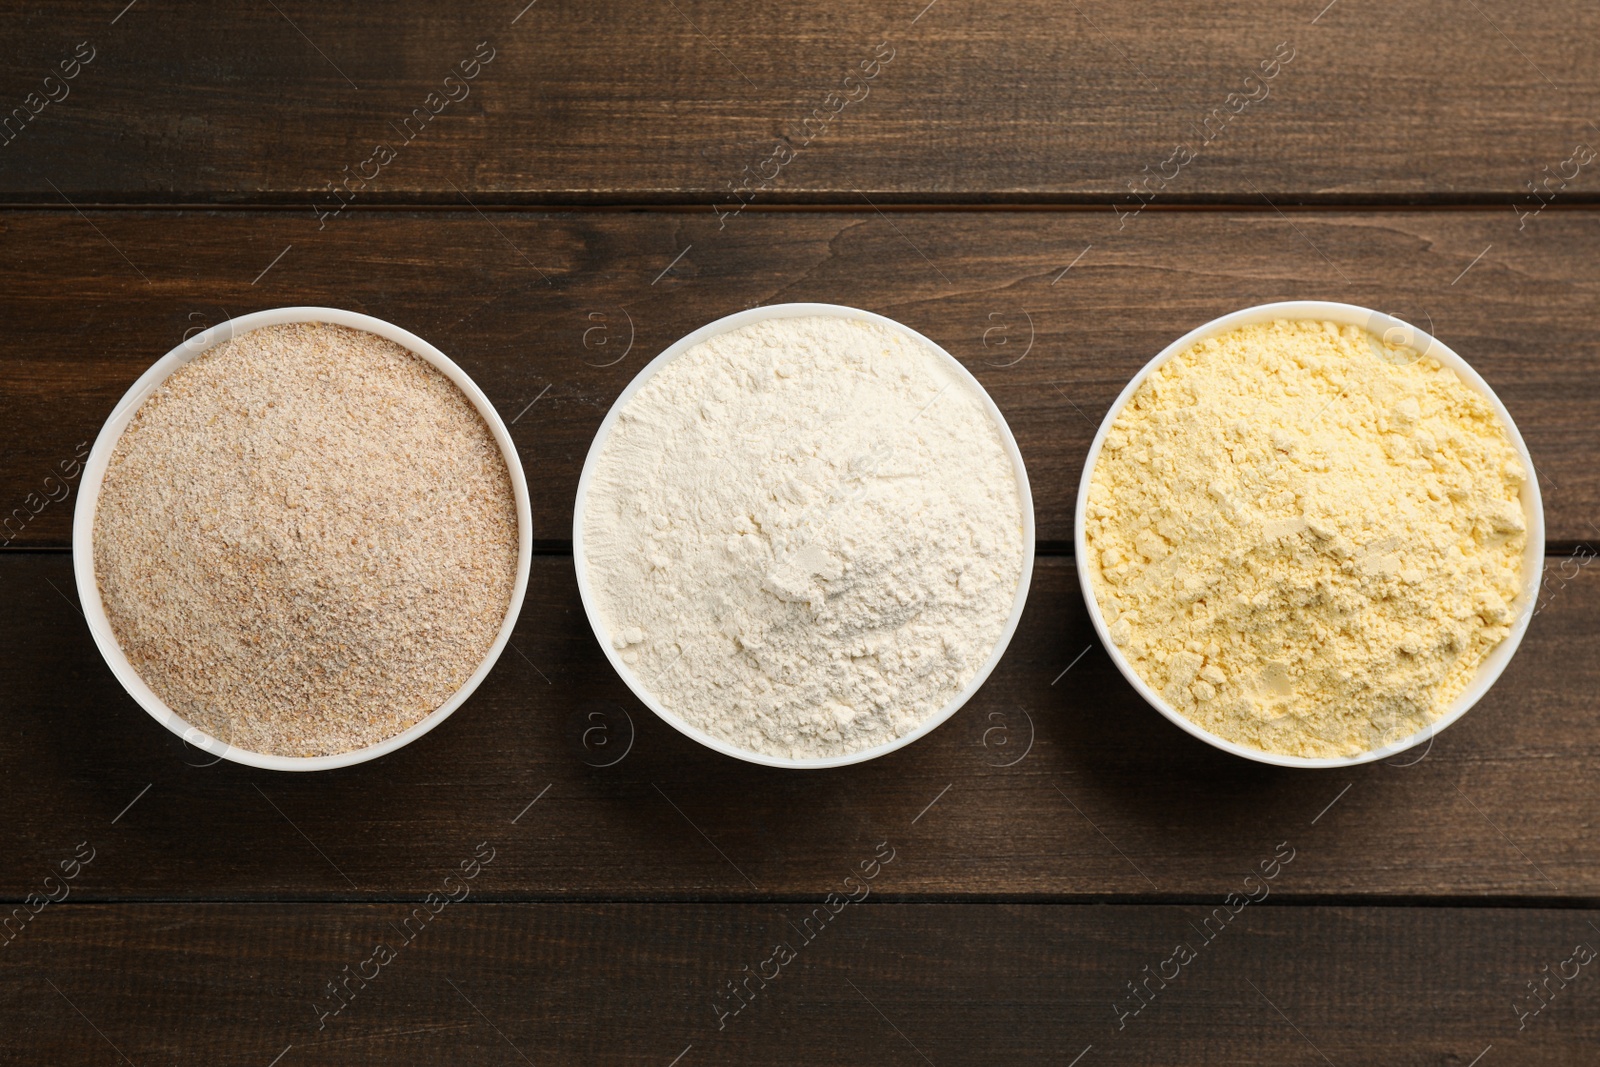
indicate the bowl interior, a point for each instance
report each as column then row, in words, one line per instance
column 89, row 496
column 733, row 322
column 1383, row 325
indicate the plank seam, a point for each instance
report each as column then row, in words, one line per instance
column 1519, row 902
column 290, row 203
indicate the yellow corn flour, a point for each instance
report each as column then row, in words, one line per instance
column 1306, row 539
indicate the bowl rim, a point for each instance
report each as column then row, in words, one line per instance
column 1381, row 324
column 89, row 496
column 733, row 322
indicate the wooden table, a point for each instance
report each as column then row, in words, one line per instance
column 1052, row 191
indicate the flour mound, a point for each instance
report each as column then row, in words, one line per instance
column 804, row 536
column 306, row 540
column 1307, row 539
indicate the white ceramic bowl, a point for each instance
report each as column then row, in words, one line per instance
column 89, row 495
column 733, row 322
column 1395, row 331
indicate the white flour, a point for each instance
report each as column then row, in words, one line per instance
column 804, row 535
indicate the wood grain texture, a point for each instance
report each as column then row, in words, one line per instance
column 553, row 314
column 1054, row 840
column 1108, row 801
column 895, row 984
column 625, row 101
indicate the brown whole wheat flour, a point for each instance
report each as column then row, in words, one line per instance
column 306, row 540
column 1306, row 539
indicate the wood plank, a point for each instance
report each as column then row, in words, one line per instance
column 627, row 102
column 884, row 983
column 1108, row 801
column 541, row 308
